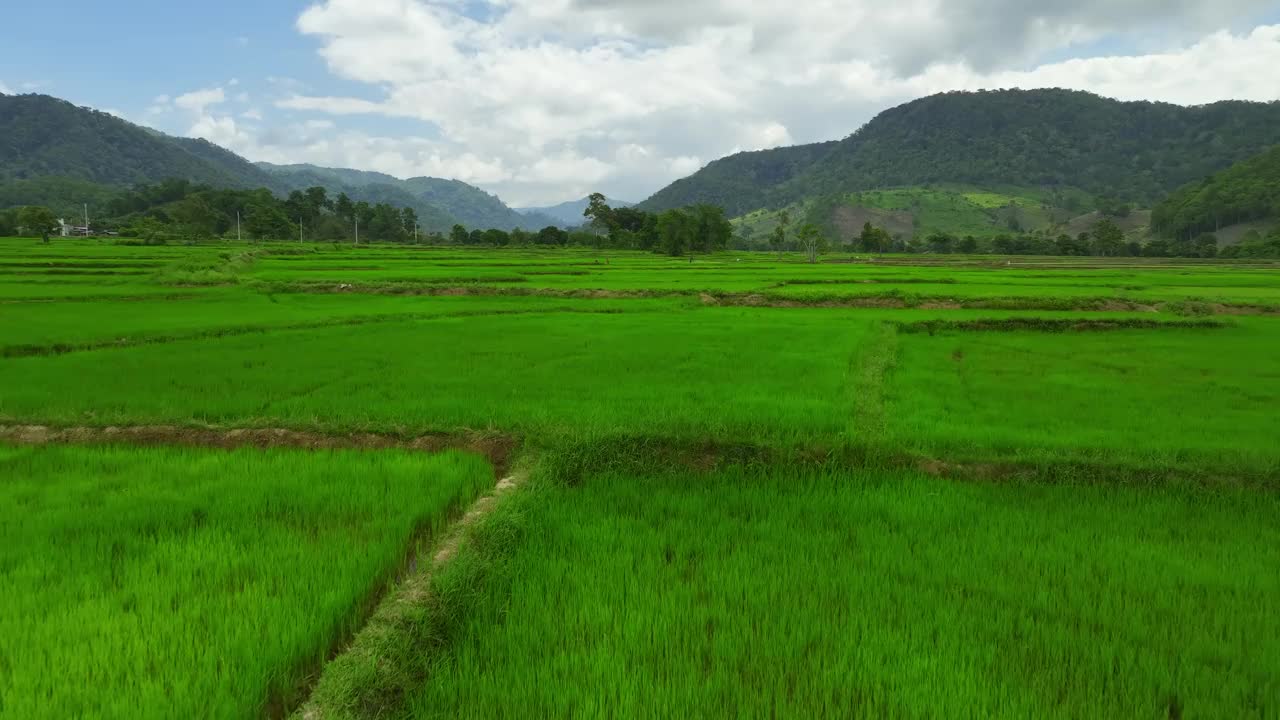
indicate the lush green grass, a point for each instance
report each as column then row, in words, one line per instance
column 1149, row 398
column 695, row 375
column 326, row 267
column 780, row 593
column 1156, row 398
column 182, row 583
column 35, row 327
column 824, row 580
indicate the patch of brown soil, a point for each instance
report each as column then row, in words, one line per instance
column 1221, row 309
column 1123, row 306
column 498, row 449
column 966, row 471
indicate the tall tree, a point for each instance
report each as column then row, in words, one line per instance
column 344, row 208
column 318, row 198
column 599, row 212
column 675, row 232
column 812, row 241
column 713, row 228
column 39, row 220
column 1108, row 238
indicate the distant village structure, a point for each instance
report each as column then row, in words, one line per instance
column 66, row 230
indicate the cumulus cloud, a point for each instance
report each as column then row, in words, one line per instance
column 543, row 100
column 200, row 100
column 4, row 89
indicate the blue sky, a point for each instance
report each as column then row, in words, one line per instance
column 137, row 50
column 547, row 100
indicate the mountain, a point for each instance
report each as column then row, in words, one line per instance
column 1029, row 138
column 1246, row 192
column 453, row 200
column 742, row 182
column 57, row 154
column 42, row 137
column 569, row 214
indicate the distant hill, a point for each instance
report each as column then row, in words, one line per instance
column 1246, row 192
column 569, row 214
column 740, row 183
column 1135, row 151
column 57, row 154
column 41, row 137
column 441, row 203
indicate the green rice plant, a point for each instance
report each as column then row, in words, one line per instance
column 739, row 374
column 1195, row 398
column 772, row 592
column 52, row 327
column 192, row 583
column 222, row 269
column 1053, row 325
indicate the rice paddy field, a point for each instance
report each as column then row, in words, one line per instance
column 233, row 483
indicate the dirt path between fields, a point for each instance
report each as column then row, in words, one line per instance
column 400, row 601
column 888, row 300
column 497, row 448
column 372, row 655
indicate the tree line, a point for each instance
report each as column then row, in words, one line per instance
column 699, row 228
column 179, row 209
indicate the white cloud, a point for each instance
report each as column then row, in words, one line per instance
column 633, row 93
column 4, row 89
column 198, row 101
column 544, row 100
column 222, row 131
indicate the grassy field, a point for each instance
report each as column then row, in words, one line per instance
column 196, row 583
column 775, row 593
column 894, row 486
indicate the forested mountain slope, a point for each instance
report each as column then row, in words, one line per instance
column 57, row 154
column 1134, row 151
column 42, row 137
column 739, row 183
column 1244, row 192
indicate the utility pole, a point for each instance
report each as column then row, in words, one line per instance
column 415, row 233
column 86, row 219
column 237, row 226
column 299, row 229
column 357, row 229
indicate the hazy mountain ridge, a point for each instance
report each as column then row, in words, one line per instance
column 569, row 214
